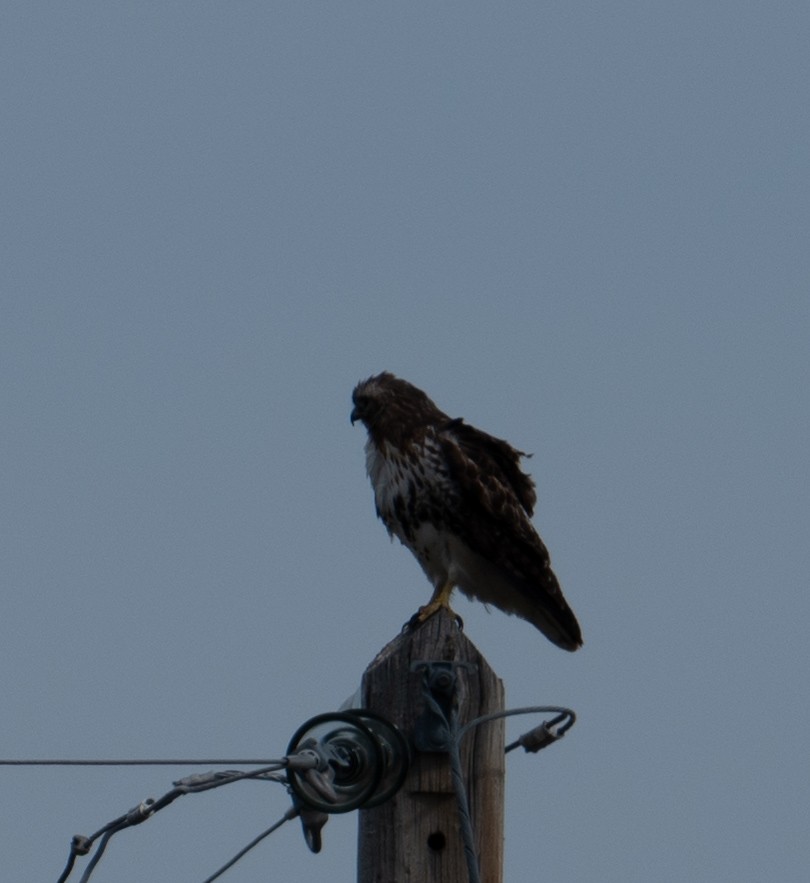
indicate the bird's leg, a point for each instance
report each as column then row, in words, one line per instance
column 440, row 599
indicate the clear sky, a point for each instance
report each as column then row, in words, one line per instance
column 584, row 227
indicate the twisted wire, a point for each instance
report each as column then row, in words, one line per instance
column 551, row 730
column 465, row 820
column 193, row 784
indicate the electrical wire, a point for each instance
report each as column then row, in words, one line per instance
column 142, row 762
column 465, row 819
column 532, row 741
column 562, row 714
column 291, row 813
column 535, row 739
column 96, row 857
column 193, row 784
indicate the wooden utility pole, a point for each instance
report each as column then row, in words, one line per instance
column 415, row 836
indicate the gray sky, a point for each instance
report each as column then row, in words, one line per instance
column 581, row 226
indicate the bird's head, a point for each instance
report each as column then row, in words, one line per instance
column 385, row 404
column 370, row 397
column 367, row 401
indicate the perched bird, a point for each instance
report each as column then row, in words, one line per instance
column 458, row 499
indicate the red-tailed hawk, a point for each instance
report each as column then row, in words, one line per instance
column 458, row 499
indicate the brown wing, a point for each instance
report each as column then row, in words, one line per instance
column 496, row 499
column 496, row 457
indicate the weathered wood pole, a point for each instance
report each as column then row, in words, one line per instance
column 415, row 836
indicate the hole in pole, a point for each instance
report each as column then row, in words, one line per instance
column 436, row 841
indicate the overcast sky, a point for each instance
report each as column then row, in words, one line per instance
column 584, row 227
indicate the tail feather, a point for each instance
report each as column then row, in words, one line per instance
column 560, row 625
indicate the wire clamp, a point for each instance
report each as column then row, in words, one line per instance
column 440, row 692
column 80, row 845
column 141, row 812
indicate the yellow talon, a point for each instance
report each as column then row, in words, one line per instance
column 440, row 598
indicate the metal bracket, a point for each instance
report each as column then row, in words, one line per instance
column 440, row 682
